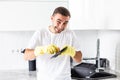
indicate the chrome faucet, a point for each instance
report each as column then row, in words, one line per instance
column 98, row 55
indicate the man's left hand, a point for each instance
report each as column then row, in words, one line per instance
column 69, row 51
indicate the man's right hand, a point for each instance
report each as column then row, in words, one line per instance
column 51, row 49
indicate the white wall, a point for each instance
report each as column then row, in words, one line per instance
column 10, row 41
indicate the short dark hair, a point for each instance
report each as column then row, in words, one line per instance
column 62, row 10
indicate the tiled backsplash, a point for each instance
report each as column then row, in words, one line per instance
column 117, row 59
column 108, row 44
column 10, row 41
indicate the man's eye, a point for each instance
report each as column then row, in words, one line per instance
column 58, row 22
column 64, row 23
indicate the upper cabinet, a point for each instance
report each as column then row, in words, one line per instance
column 94, row 14
column 112, row 14
column 22, row 15
column 86, row 14
column 27, row 15
column 34, row 0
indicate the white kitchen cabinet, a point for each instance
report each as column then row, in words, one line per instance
column 86, row 14
column 27, row 15
column 95, row 14
column 112, row 14
column 34, row 0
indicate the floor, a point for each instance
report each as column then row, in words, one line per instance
column 30, row 75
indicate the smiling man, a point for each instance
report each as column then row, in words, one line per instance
column 47, row 42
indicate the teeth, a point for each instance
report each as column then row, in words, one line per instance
column 56, row 29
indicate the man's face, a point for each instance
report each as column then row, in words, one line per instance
column 59, row 22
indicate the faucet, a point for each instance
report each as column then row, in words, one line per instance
column 98, row 55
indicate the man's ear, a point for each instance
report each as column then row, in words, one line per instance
column 51, row 17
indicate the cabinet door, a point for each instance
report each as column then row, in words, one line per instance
column 20, row 15
column 87, row 14
column 112, row 14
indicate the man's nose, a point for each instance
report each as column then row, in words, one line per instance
column 61, row 26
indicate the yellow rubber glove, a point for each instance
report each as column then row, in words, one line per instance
column 51, row 49
column 69, row 51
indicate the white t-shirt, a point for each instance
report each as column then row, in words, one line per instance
column 57, row 68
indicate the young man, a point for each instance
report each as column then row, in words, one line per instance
column 46, row 42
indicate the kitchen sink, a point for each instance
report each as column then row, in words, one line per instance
column 102, row 75
column 95, row 76
column 88, row 71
